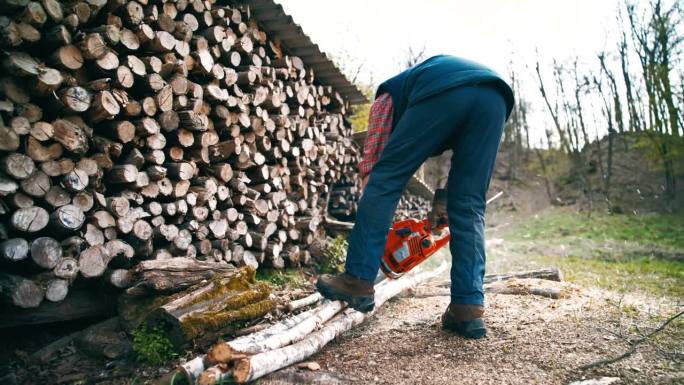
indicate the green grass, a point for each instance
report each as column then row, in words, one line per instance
column 645, row 275
column 152, row 346
column 584, row 249
column 293, row 278
column 333, row 261
column 660, row 229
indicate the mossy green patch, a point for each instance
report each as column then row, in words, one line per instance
column 293, row 278
column 152, row 346
column 333, row 261
column 227, row 286
column 197, row 324
column 239, row 306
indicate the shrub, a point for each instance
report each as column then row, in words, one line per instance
column 152, row 346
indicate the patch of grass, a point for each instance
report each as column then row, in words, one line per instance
column 612, row 251
column 333, row 261
column 293, row 278
column 643, row 274
column 152, row 346
column 661, row 229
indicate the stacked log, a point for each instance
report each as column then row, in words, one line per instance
column 150, row 130
column 345, row 195
column 344, row 198
column 412, row 206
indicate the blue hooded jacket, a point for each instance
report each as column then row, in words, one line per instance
column 438, row 74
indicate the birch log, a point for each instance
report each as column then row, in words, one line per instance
column 302, row 302
column 257, row 366
column 252, row 367
column 228, row 351
column 191, row 369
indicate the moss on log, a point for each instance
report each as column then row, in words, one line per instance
column 204, row 308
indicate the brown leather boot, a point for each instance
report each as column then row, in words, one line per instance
column 465, row 320
column 358, row 293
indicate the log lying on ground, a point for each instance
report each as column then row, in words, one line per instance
column 104, row 339
column 78, row 304
column 303, row 302
column 251, row 368
column 219, row 303
column 172, row 275
column 228, row 351
column 193, row 368
column 548, row 284
column 550, row 273
column 201, row 310
column 255, row 366
column 532, row 286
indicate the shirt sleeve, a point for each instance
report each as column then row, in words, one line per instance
column 379, row 130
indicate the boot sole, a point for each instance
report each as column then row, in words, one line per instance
column 363, row 304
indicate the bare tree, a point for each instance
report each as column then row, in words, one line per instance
column 553, row 110
column 607, row 109
column 635, row 119
column 413, row 56
column 656, row 38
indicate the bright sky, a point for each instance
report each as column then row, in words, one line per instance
column 378, row 33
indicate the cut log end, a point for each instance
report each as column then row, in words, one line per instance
column 242, row 371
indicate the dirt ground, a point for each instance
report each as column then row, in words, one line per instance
column 531, row 339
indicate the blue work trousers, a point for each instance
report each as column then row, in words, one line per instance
column 469, row 120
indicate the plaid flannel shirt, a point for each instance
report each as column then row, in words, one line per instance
column 379, row 130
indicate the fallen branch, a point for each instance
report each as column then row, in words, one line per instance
column 634, row 346
column 524, row 286
column 551, row 274
column 495, row 197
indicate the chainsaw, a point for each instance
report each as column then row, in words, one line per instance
column 410, row 242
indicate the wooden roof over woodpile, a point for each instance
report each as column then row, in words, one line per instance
column 273, row 19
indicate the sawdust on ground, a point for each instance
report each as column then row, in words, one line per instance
column 531, row 340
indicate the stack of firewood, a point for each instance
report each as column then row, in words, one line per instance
column 146, row 129
column 344, row 199
column 412, row 206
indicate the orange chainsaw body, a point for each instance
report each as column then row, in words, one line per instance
column 409, row 243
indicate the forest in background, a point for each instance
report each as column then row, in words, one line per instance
column 610, row 124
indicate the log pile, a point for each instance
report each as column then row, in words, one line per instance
column 412, row 206
column 344, row 199
column 150, row 130
column 288, row 341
